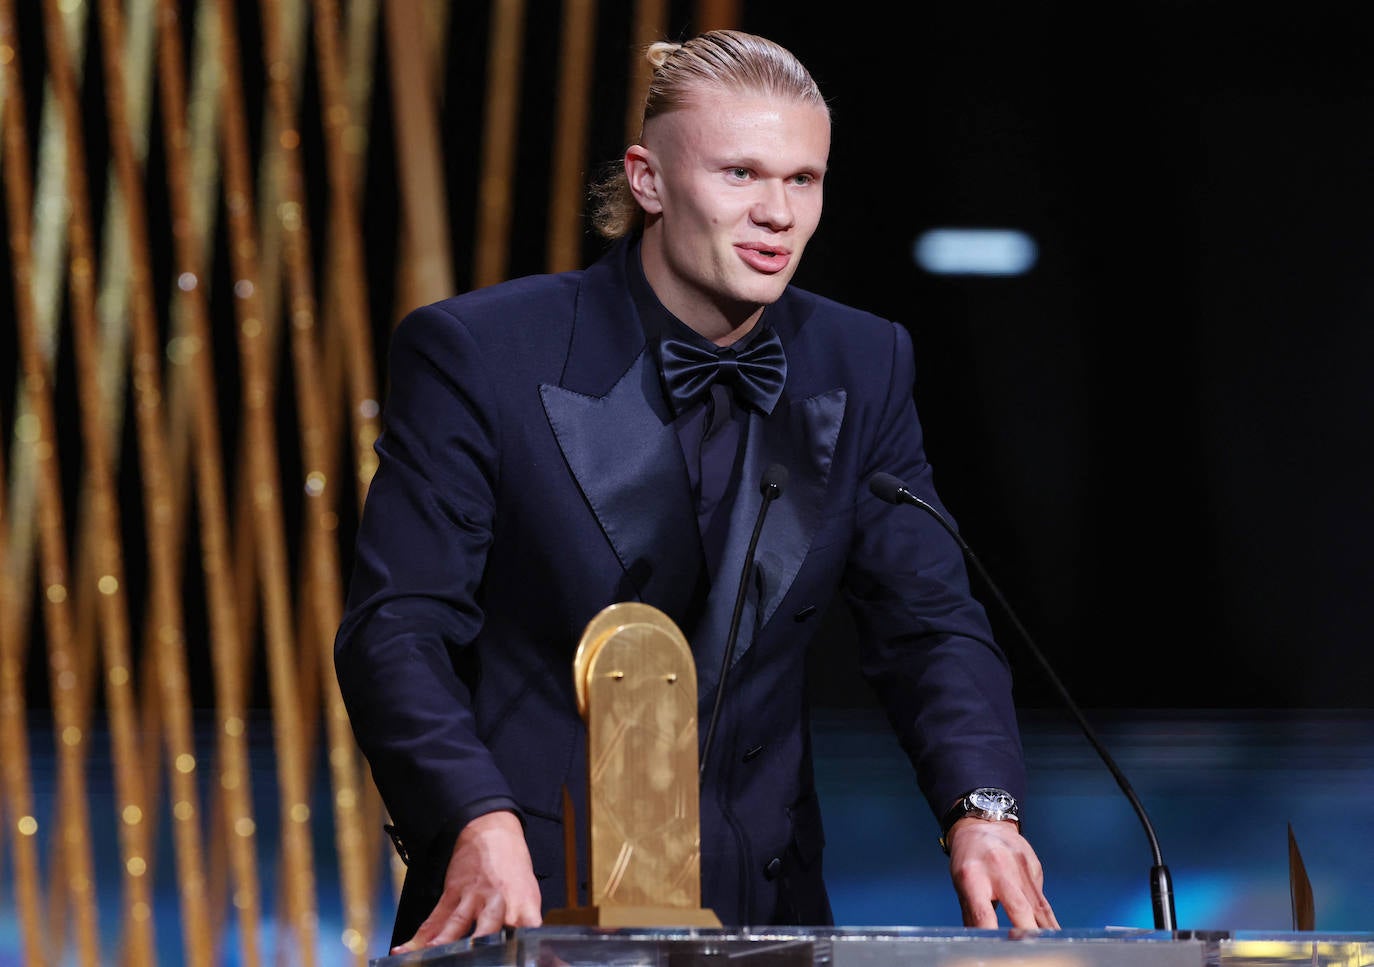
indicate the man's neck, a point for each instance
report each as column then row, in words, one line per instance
column 722, row 325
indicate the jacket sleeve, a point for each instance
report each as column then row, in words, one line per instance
column 402, row 651
column 925, row 642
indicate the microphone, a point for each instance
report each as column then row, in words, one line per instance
column 889, row 488
column 774, row 479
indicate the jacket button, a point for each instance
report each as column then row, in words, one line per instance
column 773, row 868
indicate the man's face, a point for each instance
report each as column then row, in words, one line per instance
column 731, row 186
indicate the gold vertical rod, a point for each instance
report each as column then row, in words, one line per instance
column 347, row 238
column 200, row 215
column 75, row 825
column 362, row 33
column 291, row 58
column 266, row 282
column 497, row 180
column 267, row 293
column 50, row 252
column 425, row 274
column 47, row 254
column 165, row 613
column 360, row 44
column 341, row 301
column 315, row 427
column 180, row 345
column 332, row 369
column 44, row 245
column 112, row 302
column 650, row 24
column 315, row 621
column 260, row 447
column 20, row 820
column 113, row 316
column 349, row 86
column 717, row 14
column 570, row 136
column 14, row 740
column 226, row 639
column 103, row 562
column 436, row 15
column 321, row 565
column 224, row 892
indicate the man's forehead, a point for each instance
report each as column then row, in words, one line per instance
column 727, row 115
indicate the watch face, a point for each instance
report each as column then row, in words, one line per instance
column 995, row 801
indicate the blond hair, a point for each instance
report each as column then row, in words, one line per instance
column 727, row 59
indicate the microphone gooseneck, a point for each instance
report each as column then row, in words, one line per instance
column 888, row 488
column 774, row 479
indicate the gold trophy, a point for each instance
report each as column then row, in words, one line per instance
column 636, row 686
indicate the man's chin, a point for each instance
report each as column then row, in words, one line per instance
column 766, row 291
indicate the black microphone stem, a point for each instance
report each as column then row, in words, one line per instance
column 1161, row 886
column 774, row 478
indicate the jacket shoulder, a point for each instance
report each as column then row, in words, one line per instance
column 823, row 319
column 508, row 301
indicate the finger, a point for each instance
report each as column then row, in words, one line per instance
column 1020, row 913
column 985, row 918
column 529, row 915
column 457, row 925
column 980, row 914
column 1027, row 907
column 977, row 898
column 529, row 909
column 416, row 942
column 491, row 919
column 448, row 921
column 1034, row 888
column 1044, row 915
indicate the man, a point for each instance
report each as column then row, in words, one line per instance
column 544, row 457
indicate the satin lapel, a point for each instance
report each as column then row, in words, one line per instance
column 801, row 436
column 628, row 463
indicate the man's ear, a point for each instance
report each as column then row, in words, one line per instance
column 641, row 171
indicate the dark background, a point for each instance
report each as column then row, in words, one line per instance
column 1159, row 441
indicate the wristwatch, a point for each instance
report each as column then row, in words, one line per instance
column 985, row 802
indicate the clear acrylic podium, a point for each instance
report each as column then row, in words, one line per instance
column 884, row 946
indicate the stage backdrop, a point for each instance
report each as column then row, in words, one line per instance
column 1156, row 437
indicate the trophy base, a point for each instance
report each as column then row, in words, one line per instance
column 632, row 916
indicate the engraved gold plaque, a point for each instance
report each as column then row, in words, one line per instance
column 636, row 687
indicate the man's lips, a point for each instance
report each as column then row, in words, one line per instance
column 765, row 258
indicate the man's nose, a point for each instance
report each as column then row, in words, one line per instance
column 773, row 207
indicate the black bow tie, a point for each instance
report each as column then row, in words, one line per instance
column 756, row 375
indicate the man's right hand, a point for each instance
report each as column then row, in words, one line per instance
column 489, row 884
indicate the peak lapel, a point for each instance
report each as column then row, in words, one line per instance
column 615, row 432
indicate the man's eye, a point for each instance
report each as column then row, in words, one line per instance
column 802, row 179
column 740, row 173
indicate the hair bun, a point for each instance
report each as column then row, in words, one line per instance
column 660, row 50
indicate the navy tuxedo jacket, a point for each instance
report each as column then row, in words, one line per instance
column 530, row 475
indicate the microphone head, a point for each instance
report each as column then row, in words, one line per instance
column 774, row 479
column 886, row 487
